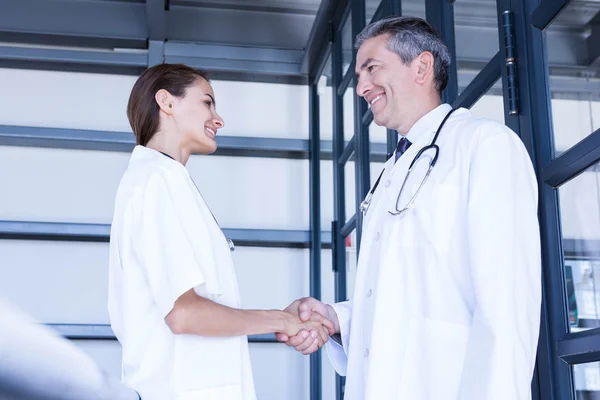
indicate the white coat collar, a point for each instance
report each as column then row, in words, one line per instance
column 428, row 123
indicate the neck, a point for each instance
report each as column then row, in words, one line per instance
column 419, row 110
column 165, row 144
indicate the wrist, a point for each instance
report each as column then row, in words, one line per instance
column 332, row 316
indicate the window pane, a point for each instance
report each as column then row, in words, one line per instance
column 348, row 101
column 347, row 44
column 350, row 180
column 490, row 105
column 476, row 37
column 575, row 97
column 587, row 381
column 370, row 8
column 580, row 214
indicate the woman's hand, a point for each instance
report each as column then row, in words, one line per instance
column 320, row 326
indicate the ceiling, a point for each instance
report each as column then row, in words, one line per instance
column 243, row 39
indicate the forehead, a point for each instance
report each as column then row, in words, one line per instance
column 201, row 87
column 373, row 48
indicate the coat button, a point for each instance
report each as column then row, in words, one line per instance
column 369, row 293
column 366, row 352
column 377, row 236
column 387, row 183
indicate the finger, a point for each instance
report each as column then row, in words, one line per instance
column 282, row 337
column 323, row 335
column 298, row 339
column 305, row 307
column 310, row 341
column 323, row 321
column 311, row 349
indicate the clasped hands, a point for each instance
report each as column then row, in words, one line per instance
column 310, row 325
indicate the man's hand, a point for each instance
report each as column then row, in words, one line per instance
column 305, row 341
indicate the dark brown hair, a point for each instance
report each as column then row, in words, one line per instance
column 142, row 109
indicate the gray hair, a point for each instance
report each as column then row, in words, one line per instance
column 409, row 37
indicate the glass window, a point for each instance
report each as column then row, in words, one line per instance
column 476, row 38
column 370, row 9
column 347, row 44
column 350, row 183
column 348, row 101
column 580, row 218
column 575, row 99
column 587, row 381
column 491, row 104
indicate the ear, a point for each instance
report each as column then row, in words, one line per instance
column 425, row 68
column 165, row 101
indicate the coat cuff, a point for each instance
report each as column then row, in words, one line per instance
column 338, row 353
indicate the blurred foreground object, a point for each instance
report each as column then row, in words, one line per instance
column 38, row 364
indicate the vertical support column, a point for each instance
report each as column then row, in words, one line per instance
column 156, row 20
column 362, row 164
column 315, row 225
column 338, row 248
column 440, row 13
column 394, row 7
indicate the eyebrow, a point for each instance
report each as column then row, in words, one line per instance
column 212, row 98
column 367, row 62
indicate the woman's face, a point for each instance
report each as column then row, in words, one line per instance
column 196, row 119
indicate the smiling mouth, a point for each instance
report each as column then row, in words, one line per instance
column 211, row 132
column 375, row 99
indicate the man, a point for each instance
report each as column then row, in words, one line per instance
column 447, row 294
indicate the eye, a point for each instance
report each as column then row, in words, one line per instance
column 371, row 67
column 208, row 103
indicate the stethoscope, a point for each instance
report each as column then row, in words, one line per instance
column 364, row 206
column 229, row 241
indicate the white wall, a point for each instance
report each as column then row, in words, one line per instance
column 65, row 282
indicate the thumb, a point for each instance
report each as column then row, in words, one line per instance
column 306, row 307
column 282, row 337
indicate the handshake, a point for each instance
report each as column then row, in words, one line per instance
column 309, row 323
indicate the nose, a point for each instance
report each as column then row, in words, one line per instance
column 363, row 86
column 219, row 123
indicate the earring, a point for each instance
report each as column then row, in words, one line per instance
column 170, row 105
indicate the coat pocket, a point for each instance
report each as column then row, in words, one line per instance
column 434, row 360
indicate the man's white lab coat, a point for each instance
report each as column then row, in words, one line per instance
column 447, row 296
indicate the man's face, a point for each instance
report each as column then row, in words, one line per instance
column 385, row 82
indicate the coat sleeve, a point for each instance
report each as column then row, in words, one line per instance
column 505, row 264
column 162, row 245
column 338, row 354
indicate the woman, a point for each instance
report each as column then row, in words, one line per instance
column 173, row 297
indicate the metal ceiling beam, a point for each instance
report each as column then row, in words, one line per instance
column 84, row 232
column 105, row 332
column 114, row 22
column 546, row 12
column 235, row 58
column 593, row 41
column 238, row 27
column 81, row 139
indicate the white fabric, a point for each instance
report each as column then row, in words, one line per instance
column 164, row 242
column 447, row 296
